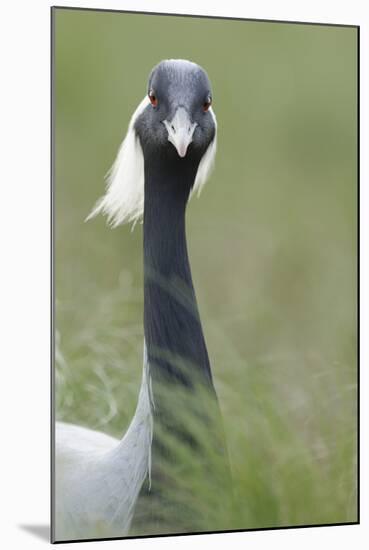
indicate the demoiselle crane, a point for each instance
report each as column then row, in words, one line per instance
column 166, row 156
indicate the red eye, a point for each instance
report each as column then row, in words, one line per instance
column 206, row 104
column 153, row 99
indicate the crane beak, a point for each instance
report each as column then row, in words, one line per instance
column 180, row 131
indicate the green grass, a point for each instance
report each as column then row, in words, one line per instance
column 272, row 242
column 289, row 422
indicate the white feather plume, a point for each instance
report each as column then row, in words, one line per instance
column 207, row 162
column 124, row 198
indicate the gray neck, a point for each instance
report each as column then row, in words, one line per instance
column 173, row 332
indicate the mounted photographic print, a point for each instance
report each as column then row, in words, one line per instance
column 205, row 253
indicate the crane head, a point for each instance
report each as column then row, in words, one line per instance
column 178, row 117
column 174, row 122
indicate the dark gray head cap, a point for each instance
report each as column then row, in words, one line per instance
column 174, row 75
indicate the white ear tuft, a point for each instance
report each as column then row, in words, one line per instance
column 124, row 198
column 207, row 162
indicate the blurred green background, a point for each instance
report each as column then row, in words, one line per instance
column 272, row 242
